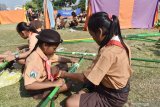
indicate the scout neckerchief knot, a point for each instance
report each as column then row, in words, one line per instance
column 48, row 69
column 115, row 41
column 47, row 64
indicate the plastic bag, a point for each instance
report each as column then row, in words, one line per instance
column 8, row 78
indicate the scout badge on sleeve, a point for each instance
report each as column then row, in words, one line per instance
column 33, row 74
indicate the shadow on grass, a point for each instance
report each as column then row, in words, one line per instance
column 157, row 52
column 144, row 66
column 79, row 28
column 76, row 87
column 23, row 92
column 63, row 102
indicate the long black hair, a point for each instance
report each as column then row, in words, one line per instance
column 110, row 26
column 22, row 26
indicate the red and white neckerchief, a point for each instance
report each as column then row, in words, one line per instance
column 48, row 69
column 115, row 41
column 47, row 65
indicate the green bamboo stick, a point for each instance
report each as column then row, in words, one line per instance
column 94, row 54
column 51, row 95
column 144, row 35
column 142, row 39
column 145, row 60
column 3, row 65
column 55, row 90
column 78, row 41
column 77, row 53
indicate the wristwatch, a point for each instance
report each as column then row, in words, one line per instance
column 17, row 56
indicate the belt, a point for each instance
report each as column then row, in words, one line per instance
column 126, row 89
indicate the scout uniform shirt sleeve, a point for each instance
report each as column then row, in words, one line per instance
column 31, row 73
column 54, row 58
column 32, row 42
column 100, row 68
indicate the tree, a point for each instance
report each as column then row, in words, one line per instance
column 31, row 4
column 35, row 4
column 39, row 4
column 82, row 5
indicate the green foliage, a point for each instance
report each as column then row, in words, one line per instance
column 82, row 5
column 39, row 4
column 35, row 4
column 31, row 4
column 157, row 24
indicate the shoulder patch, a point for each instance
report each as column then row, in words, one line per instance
column 33, row 74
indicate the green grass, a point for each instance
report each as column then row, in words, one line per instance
column 145, row 89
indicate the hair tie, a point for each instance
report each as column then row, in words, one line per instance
column 110, row 17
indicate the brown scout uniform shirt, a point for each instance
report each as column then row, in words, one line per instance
column 32, row 41
column 111, row 68
column 35, row 67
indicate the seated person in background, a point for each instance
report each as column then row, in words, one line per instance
column 37, row 24
column 30, row 13
column 74, row 21
column 82, row 17
column 60, row 22
column 34, row 17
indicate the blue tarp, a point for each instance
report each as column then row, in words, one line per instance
column 50, row 11
column 68, row 12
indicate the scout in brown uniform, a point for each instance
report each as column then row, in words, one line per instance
column 37, row 24
column 74, row 21
column 107, row 80
column 39, row 78
column 26, row 32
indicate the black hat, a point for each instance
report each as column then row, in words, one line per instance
column 49, row 36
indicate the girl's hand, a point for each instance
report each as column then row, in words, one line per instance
column 55, row 71
column 62, row 73
column 1, row 60
column 10, row 58
column 59, row 82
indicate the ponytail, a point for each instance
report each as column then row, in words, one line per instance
column 115, row 30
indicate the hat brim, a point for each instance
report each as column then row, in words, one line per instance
column 47, row 40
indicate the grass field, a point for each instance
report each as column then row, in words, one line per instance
column 145, row 82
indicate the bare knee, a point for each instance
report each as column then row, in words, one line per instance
column 73, row 101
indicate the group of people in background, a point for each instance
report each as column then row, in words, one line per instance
column 61, row 21
column 106, row 81
column 72, row 22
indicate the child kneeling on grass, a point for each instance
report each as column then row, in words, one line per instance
column 26, row 32
column 107, row 80
column 39, row 78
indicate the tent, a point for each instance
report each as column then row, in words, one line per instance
column 12, row 16
column 131, row 13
